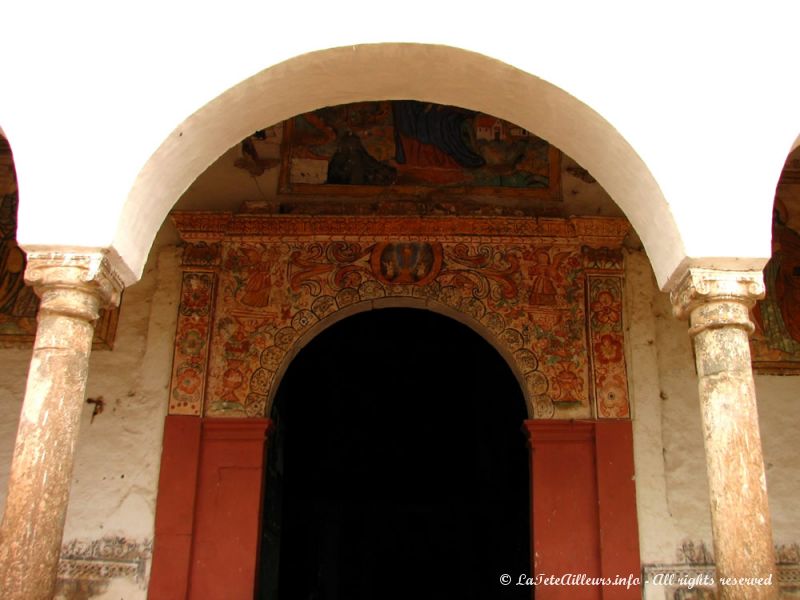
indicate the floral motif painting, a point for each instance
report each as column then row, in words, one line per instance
column 314, row 279
column 191, row 343
column 545, row 301
column 606, row 341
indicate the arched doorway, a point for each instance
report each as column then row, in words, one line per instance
column 398, row 468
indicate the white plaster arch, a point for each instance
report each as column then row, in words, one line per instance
column 795, row 144
column 398, row 302
column 425, row 72
column 91, row 108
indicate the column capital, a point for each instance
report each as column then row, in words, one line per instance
column 55, row 275
column 705, row 286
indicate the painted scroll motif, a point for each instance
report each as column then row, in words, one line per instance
column 270, row 294
column 255, row 286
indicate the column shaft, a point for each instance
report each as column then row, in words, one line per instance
column 718, row 308
column 41, row 469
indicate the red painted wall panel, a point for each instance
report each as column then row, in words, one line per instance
column 228, row 510
column 566, row 539
column 177, row 484
column 210, row 498
column 619, row 530
column 584, row 506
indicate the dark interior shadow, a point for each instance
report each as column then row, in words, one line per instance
column 397, row 469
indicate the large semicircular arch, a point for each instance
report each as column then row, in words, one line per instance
column 422, row 72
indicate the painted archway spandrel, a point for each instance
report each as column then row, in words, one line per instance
column 270, row 294
column 527, row 295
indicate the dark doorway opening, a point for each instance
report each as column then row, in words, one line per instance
column 397, row 468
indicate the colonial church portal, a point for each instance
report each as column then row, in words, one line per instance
column 350, row 503
column 506, row 310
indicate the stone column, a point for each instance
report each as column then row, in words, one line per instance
column 718, row 305
column 72, row 288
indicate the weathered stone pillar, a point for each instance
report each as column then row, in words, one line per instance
column 72, row 287
column 718, row 304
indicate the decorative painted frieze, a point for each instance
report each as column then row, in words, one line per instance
column 190, row 360
column 606, row 344
column 542, row 291
column 87, row 567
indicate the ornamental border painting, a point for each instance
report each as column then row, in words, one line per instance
column 547, row 293
column 409, row 148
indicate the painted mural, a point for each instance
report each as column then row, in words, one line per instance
column 18, row 302
column 606, row 337
column 547, row 295
column 411, row 147
column 87, row 567
column 775, row 344
column 192, row 340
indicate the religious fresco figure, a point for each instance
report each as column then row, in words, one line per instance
column 433, row 135
column 544, row 275
column 16, row 299
column 406, row 263
column 775, row 345
column 787, row 280
column 408, row 145
column 352, row 164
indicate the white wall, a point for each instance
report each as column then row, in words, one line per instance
column 671, row 486
column 118, row 455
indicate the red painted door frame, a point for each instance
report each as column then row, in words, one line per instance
column 583, row 509
column 208, row 515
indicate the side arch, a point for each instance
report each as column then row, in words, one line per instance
column 423, row 72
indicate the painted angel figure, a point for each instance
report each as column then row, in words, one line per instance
column 258, row 286
column 545, row 274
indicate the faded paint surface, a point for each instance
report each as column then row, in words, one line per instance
column 547, row 296
column 660, row 531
